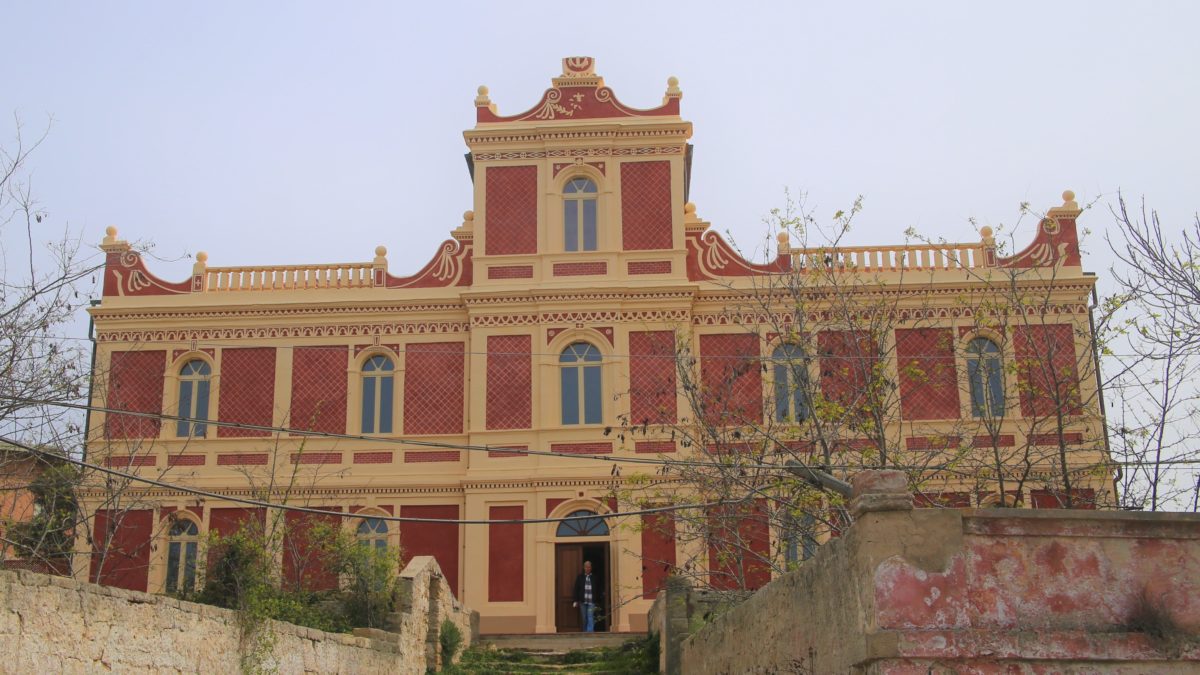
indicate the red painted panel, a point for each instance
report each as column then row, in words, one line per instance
column 646, row 205
column 316, row 458
column 378, row 457
column 552, row 503
column 129, row 461
column 227, row 521
column 121, row 548
column 848, row 361
column 511, row 210
column 305, row 565
column 185, row 460
column 439, row 540
column 738, row 547
column 434, row 380
column 1047, row 372
column 652, row 390
column 508, row 451
column 135, row 382
column 654, row 446
column 1081, row 498
column 635, row 267
column 431, row 456
column 928, row 380
column 731, row 377
column 247, row 390
column 580, row 269
column 242, row 459
column 582, row 448
column 510, row 272
column 658, row 552
column 506, row 555
column 509, row 382
column 319, row 389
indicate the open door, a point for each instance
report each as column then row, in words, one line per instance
column 568, row 564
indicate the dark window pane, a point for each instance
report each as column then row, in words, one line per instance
column 589, row 225
column 189, row 565
column 591, row 395
column 570, row 395
column 368, row 404
column 385, row 405
column 201, row 407
column 185, row 407
column 173, row 567
column 571, row 225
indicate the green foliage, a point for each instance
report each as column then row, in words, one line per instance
column 51, row 531
column 451, row 638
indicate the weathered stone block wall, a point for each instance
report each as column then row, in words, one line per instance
column 942, row 591
column 60, row 625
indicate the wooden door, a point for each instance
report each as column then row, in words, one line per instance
column 568, row 563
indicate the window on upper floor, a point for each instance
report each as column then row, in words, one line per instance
column 194, row 385
column 373, row 533
column 183, row 542
column 790, row 370
column 378, row 385
column 579, row 370
column 579, row 215
column 985, row 375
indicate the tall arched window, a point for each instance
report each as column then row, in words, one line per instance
column 194, row 379
column 183, row 541
column 579, row 215
column 580, row 373
column 377, row 385
column 986, row 376
column 373, row 533
column 791, row 383
column 587, row 525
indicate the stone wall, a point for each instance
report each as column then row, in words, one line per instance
column 976, row 591
column 56, row 624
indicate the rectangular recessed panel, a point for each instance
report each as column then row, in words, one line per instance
column 511, row 210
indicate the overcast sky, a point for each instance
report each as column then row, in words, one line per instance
column 312, row 132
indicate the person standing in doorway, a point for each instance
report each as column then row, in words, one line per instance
column 587, row 596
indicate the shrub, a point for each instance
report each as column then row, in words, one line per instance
column 451, row 639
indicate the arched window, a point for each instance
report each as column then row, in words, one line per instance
column 194, row 379
column 986, row 376
column 373, row 533
column 791, row 383
column 579, row 215
column 586, row 526
column 377, row 384
column 182, row 543
column 580, row 373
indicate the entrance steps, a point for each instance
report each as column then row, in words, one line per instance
column 555, row 654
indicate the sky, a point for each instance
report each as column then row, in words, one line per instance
column 283, row 133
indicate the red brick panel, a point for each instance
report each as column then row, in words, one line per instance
column 439, row 540
column 849, row 363
column 242, row 459
column 582, row 448
column 654, row 447
column 509, row 382
column 247, row 390
column 1081, row 498
column 316, row 458
column 636, row 267
column 434, row 380
column 658, row 552
column 928, row 380
column 128, row 461
column 731, row 379
column 121, row 548
column 511, row 210
column 580, row 269
column 135, row 383
column 739, row 545
column 378, row 457
column 510, row 272
column 431, row 456
column 508, row 451
column 185, row 460
column 1067, row 438
column 506, row 555
column 319, row 389
column 652, row 389
column 1000, row 441
column 1047, row 372
column 932, row 442
column 307, row 561
column 646, row 205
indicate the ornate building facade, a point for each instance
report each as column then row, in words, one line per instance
column 494, row 383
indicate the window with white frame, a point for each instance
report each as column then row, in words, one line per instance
column 985, row 375
column 194, row 385
column 183, row 543
column 378, row 385
column 579, row 372
column 579, row 215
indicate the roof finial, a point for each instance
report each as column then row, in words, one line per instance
column 579, row 66
column 1069, row 200
column 673, row 90
column 482, row 100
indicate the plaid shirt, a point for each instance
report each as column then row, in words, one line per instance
column 587, row 589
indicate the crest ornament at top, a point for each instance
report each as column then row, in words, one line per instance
column 579, row 66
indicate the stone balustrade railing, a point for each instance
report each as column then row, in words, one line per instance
column 890, row 258
column 289, row 277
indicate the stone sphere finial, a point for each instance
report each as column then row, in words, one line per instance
column 111, row 231
column 201, row 257
column 1068, row 196
column 672, row 81
column 380, row 251
column 689, row 208
column 673, row 87
column 483, row 90
column 468, row 216
column 782, row 238
column 985, row 232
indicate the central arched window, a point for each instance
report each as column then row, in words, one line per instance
column 580, row 373
column 194, row 378
column 587, row 525
column 579, row 215
column 791, row 383
column 373, row 533
column 183, row 541
column 986, row 377
column 377, row 385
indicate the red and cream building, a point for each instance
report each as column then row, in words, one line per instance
column 549, row 316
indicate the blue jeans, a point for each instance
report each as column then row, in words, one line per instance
column 587, row 616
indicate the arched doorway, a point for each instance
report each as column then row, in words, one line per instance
column 583, row 539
